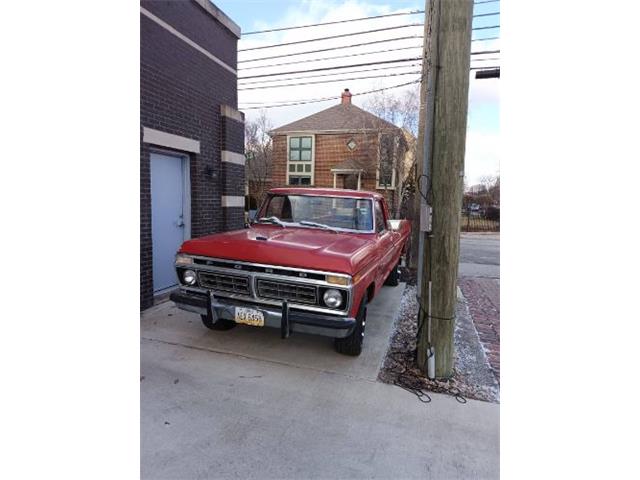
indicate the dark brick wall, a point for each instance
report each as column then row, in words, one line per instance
column 181, row 91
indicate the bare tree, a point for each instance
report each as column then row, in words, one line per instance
column 398, row 157
column 259, row 153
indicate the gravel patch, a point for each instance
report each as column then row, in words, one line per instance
column 473, row 377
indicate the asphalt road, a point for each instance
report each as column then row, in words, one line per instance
column 479, row 255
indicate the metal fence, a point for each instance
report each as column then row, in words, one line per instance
column 480, row 219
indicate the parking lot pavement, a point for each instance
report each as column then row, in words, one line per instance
column 246, row 404
column 167, row 323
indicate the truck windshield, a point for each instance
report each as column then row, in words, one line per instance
column 334, row 212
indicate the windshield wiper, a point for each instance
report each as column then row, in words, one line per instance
column 274, row 220
column 319, row 225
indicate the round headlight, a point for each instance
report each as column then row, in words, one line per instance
column 189, row 277
column 332, row 298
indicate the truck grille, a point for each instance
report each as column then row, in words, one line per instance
column 224, row 282
column 287, row 291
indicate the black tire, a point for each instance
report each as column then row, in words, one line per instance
column 394, row 277
column 221, row 324
column 352, row 345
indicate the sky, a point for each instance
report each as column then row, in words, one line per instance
column 482, row 150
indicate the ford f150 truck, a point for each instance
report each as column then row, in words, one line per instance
column 310, row 262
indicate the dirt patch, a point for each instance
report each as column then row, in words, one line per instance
column 473, row 376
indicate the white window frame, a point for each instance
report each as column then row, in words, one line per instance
column 312, row 162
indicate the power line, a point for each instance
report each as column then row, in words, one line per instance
column 332, row 68
column 480, row 28
column 339, row 48
column 330, row 48
column 346, row 66
column 328, row 81
column 329, row 74
column 485, row 39
column 330, row 58
column 413, row 12
column 330, row 98
column 486, row 14
column 485, row 1
column 342, row 35
column 484, row 52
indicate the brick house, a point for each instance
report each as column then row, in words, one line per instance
column 191, row 133
column 342, row 146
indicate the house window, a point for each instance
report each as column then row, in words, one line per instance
column 386, row 174
column 300, row 161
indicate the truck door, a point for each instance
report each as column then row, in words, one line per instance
column 385, row 243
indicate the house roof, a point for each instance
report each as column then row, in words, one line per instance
column 349, row 165
column 339, row 119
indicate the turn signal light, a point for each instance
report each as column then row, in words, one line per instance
column 335, row 280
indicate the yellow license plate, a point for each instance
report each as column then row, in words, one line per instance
column 249, row 316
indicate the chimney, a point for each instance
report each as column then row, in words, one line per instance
column 346, row 97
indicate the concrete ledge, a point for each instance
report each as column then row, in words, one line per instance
column 233, row 157
column 169, row 140
column 232, row 113
column 232, row 201
column 219, row 15
column 186, row 39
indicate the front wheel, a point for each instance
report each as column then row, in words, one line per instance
column 220, row 324
column 352, row 345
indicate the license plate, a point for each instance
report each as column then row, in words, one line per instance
column 249, row 316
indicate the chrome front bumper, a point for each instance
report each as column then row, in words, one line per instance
column 284, row 318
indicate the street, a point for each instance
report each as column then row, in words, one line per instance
column 247, row 404
column 479, row 255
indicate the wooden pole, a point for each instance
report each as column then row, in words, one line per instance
column 416, row 240
column 446, row 151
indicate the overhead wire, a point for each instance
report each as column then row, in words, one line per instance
column 413, row 12
column 332, row 98
column 340, row 48
column 330, row 48
column 367, row 64
column 342, row 35
column 330, row 74
column 330, row 58
column 373, row 17
column 328, row 81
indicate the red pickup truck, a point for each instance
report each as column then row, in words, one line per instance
column 310, row 262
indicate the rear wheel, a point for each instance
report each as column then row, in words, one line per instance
column 220, row 324
column 352, row 345
column 394, row 277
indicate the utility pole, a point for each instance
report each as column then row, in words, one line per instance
column 448, row 63
column 416, row 235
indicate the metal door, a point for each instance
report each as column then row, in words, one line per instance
column 169, row 215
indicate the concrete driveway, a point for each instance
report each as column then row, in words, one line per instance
column 247, row 404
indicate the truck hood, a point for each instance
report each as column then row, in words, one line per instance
column 309, row 248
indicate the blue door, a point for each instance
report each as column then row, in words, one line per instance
column 169, row 212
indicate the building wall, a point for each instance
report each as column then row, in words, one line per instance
column 183, row 92
column 330, row 150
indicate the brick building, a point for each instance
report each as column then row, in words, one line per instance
column 191, row 133
column 342, row 146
